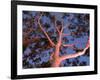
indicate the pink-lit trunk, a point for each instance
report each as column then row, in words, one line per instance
column 56, row 59
column 56, row 63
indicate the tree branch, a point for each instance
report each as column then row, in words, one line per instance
column 76, row 54
column 51, row 42
column 68, row 45
column 66, row 34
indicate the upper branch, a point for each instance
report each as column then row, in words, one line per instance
column 55, row 24
column 60, row 35
column 51, row 42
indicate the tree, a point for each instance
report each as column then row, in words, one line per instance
column 56, row 59
column 54, row 37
